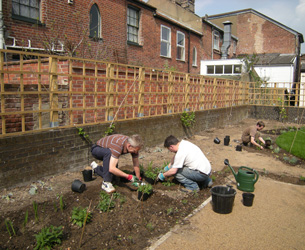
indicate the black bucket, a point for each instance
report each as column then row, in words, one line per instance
column 78, row 186
column 248, row 199
column 223, row 199
column 87, row 175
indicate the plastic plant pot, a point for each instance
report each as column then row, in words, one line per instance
column 223, row 199
column 87, row 175
column 78, row 186
column 216, row 140
column 238, row 148
column 248, row 199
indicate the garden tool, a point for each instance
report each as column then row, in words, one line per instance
column 245, row 177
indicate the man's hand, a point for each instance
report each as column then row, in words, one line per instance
column 132, row 178
column 161, row 177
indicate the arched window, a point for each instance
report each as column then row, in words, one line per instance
column 95, row 22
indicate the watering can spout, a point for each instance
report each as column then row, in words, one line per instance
column 226, row 162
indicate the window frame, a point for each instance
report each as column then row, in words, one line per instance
column 134, row 27
column 167, row 42
column 26, row 18
column 216, row 40
column 99, row 23
column 179, row 46
column 194, row 64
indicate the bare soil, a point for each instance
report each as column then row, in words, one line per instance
column 132, row 224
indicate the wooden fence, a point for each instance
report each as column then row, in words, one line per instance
column 42, row 92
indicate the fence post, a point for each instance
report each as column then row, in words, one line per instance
column 187, row 94
column 53, row 92
column 214, row 93
column 109, row 92
column 141, row 92
column 170, row 93
column 202, row 93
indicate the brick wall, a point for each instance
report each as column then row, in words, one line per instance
column 27, row 158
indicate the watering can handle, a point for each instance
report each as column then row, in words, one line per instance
column 253, row 170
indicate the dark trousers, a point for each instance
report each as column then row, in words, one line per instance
column 102, row 154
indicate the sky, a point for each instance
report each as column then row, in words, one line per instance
column 291, row 13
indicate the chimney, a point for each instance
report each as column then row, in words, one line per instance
column 186, row 4
column 226, row 40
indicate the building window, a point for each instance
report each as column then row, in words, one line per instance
column 30, row 9
column 223, row 69
column 95, row 22
column 133, row 17
column 165, row 41
column 194, row 56
column 216, row 40
column 180, row 46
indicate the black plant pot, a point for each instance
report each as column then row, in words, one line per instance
column 87, row 175
column 216, row 140
column 143, row 196
column 149, row 180
column 238, row 148
column 78, row 186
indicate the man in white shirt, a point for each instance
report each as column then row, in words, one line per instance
column 189, row 164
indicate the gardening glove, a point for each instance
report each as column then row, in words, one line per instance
column 166, row 168
column 132, row 178
column 161, row 177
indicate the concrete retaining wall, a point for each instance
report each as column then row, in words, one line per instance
column 27, row 158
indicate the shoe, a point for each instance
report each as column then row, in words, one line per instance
column 210, row 184
column 93, row 165
column 108, row 187
column 186, row 190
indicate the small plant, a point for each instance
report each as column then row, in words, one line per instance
column 169, row 211
column 26, row 218
column 109, row 130
column 35, row 206
column 187, row 119
column 213, row 177
column 62, row 205
column 184, row 201
column 106, row 203
column 48, row 237
column 145, row 188
column 9, row 227
column 302, row 178
column 276, row 150
column 151, row 172
column 84, row 135
column 286, row 158
column 150, row 226
column 168, row 183
column 79, row 216
column 293, row 160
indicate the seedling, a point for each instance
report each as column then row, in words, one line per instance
column 150, row 226
column 48, row 237
column 151, row 172
column 62, row 205
column 26, row 217
column 169, row 211
column 168, row 183
column 9, row 227
column 79, row 215
column 145, row 188
column 213, row 177
column 35, row 206
column 109, row 130
column 276, row 150
column 293, row 160
column 302, row 178
column 184, row 201
column 105, row 202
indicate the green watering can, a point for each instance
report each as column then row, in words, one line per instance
column 245, row 178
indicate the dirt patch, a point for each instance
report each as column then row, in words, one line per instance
column 131, row 224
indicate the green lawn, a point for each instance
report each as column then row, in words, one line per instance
column 285, row 140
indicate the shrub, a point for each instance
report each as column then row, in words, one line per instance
column 187, row 119
column 48, row 237
column 145, row 188
column 151, row 172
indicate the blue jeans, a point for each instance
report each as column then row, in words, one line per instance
column 102, row 154
column 189, row 178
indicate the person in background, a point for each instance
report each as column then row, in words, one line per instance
column 189, row 165
column 252, row 134
column 109, row 149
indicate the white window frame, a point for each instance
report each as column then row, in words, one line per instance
column 216, row 40
column 180, row 46
column 99, row 25
column 165, row 42
column 194, row 57
column 133, row 25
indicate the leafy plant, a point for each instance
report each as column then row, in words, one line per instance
column 62, row 205
column 79, row 216
column 106, row 203
column 9, row 227
column 84, row 135
column 168, row 183
column 48, row 237
column 150, row 226
column 145, row 188
column 276, row 150
column 151, row 172
column 184, row 201
column 302, row 178
column 169, row 211
column 213, row 177
column 109, row 130
column 26, row 218
column 187, row 119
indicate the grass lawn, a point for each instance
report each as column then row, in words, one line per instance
column 285, row 140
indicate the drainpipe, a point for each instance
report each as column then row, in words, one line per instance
column 1, row 27
column 189, row 53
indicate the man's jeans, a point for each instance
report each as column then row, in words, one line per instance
column 102, row 154
column 189, row 178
